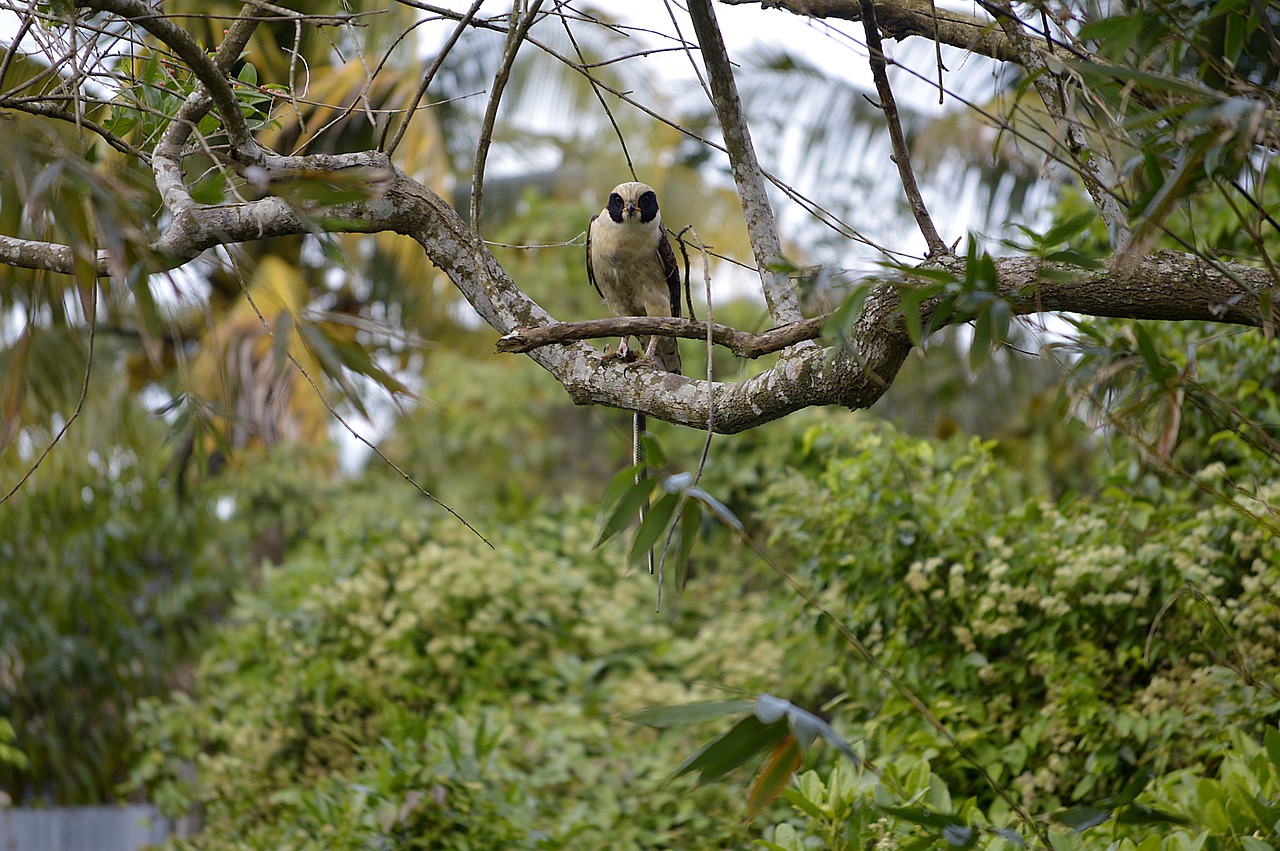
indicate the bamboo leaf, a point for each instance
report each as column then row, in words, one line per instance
column 775, row 775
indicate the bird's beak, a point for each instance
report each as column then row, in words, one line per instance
column 631, row 209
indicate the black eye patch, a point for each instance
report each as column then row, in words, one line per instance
column 648, row 207
column 615, row 207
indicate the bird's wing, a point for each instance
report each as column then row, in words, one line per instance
column 670, row 270
column 591, row 273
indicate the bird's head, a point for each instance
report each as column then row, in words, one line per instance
column 630, row 202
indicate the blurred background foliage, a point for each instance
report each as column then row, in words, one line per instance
column 1068, row 552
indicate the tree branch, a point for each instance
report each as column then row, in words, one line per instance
column 901, row 155
column 902, row 19
column 762, row 229
column 1088, row 162
column 210, row 75
column 742, row 343
column 1167, row 286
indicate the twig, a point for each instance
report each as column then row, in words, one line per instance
column 84, row 393
column 762, row 229
column 741, row 343
column 595, row 89
column 711, row 385
column 426, row 80
column 210, row 73
column 515, row 37
column 901, row 156
column 1086, row 157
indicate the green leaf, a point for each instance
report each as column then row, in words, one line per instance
column 1072, row 227
column 688, row 714
column 1141, row 814
column 1133, row 787
column 798, row 800
column 741, row 743
column 690, row 522
column 846, row 315
column 1272, row 743
column 628, row 507
column 924, row 817
column 1080, row 819
column 654, row 525
column 980, row 347
column 1160, row 369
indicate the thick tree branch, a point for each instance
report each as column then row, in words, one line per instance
column 1164, row 286
column 1167, row 286
column 902, row 19
column 762, row 229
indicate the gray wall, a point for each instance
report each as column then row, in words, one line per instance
column 125, row 828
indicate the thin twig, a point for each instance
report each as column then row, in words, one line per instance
column 426, row 80
column 901, row 155
column 84, row 393
column 595, row 89
column 351, row 430
column 515, row 37
column 762, row 229
column 210, row 73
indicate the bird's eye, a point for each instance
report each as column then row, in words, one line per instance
column 615, row 200
column 648, row 199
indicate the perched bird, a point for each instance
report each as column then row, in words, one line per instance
column 631, row 264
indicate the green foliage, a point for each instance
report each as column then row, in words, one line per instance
column 1035, row 630
column 107, row 582
column 395, row 683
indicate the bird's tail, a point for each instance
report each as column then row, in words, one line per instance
column 638, row 426
column 666, row 354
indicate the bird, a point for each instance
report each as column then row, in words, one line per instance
column 632, row 267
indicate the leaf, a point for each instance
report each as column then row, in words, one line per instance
column 924, row 817
column 653, row 526
column 1272, row 743
column 775, row 775
column 734, row 748
column 1142, row 814
column 1133, row 787
column 1064, row 231
column 717, row 508
column 980, row 346
column 1080, row 819
column 1011, row 836
column 802, row 803
column 959, row 835
column 807, row 726
column 635, row 494
column 1160, row 369
column 690, row 522
column 844, row 317
column 687, row 714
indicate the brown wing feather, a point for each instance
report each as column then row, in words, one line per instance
column 671, row 270
column 591, row 272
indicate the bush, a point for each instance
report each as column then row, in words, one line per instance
column 396, row 683
column 1068, row 645
column 107, row 583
